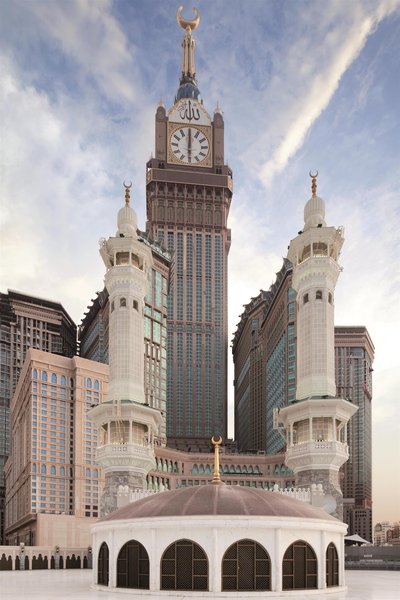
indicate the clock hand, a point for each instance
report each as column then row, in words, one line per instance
column 190, row 142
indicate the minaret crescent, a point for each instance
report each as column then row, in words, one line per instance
column 186, row 23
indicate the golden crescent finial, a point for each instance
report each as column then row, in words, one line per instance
column 216, row 442
column 186, row 24
column 127, row 187
column 314, row 182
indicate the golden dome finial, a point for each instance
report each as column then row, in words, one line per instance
column 186, row 24
column 216, row 444
column 314, row 182
column 127, row 187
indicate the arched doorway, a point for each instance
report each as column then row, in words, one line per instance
column 246, row 566
column 184, row 566
column 299, row 567
column 102, row 565
column 332, row 566
column 133, row 566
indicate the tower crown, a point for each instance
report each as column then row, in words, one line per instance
column 188, row 84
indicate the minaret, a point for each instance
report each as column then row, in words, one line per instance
column 127, row 426
column 316, row 424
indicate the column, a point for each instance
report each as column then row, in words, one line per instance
column 155, row 575
column 310, row 430
column 322, row 562
column 214, row 572
column 276, row 564
column 291, row 434
column 112, row 563
column 130, row 431
column 334, row 429
column 108, row 433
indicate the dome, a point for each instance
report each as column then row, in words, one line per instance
column 314, row 213
column 217, row 499
column 127, row 222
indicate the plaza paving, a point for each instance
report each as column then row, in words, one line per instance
column 75, row 584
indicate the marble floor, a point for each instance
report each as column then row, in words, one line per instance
column 74, row 584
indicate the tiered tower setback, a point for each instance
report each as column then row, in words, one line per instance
column 128, row 428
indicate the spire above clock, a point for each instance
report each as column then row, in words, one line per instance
column 188, row 84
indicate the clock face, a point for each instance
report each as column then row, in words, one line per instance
column 189, row 145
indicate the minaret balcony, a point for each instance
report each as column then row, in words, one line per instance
column 114, row 456
column 317, row 454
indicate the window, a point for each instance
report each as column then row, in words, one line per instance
column 87, row 472
column 330, row 298
column 34, row 374
column 96, row 384
column 63, row 380
column 133, row 566
column 103, row 565
column 122, row 302
column 33, row 468
column 53, row 378
column 184, row 566
column 44, row 376
column 43, row 469
column 318, row 295
column 135, row 305
column 246, row 566
column 305, row 298
column 332, row 566
column 53, row 471
column 299, row 567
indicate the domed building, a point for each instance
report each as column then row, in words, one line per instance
column 218, row 538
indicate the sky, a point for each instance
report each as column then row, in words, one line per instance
column 303, row 85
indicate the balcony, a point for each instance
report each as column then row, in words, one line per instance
column 126, row 456
column 317, row 453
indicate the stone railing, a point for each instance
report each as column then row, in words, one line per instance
column 24, row 558
column 322, row 445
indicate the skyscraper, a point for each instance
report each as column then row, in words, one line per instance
column 189, row 191
column 354, row 355
column 26, row 322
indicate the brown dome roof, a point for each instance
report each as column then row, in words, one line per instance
column 217, row 499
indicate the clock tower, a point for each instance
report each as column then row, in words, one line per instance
column 188, row 193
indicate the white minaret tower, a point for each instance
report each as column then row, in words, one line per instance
column 127, row 426
column 316, row 423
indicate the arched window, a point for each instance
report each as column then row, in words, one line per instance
column 332, row 566
column 34, row 374
column 195, row 470
column 318, row 295
column 102, row 565
column 135, row 305
column 88, row 474
column 95, row 473
column 52, row 470
column 305, row 298
column 43, row 469
column 184, row 566
column 122, row 302
column 44, row 376
column 246, row 566
column 299, row 567
column 63, row 380
column 88, row 382
column 330, row 300
column 62, row 471
column 53, row 378
column 33, row 467
column 96, row 384
column 133, row 566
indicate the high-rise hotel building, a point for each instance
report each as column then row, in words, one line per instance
column 26, row 322
column 52, row 481
column 189, row 191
